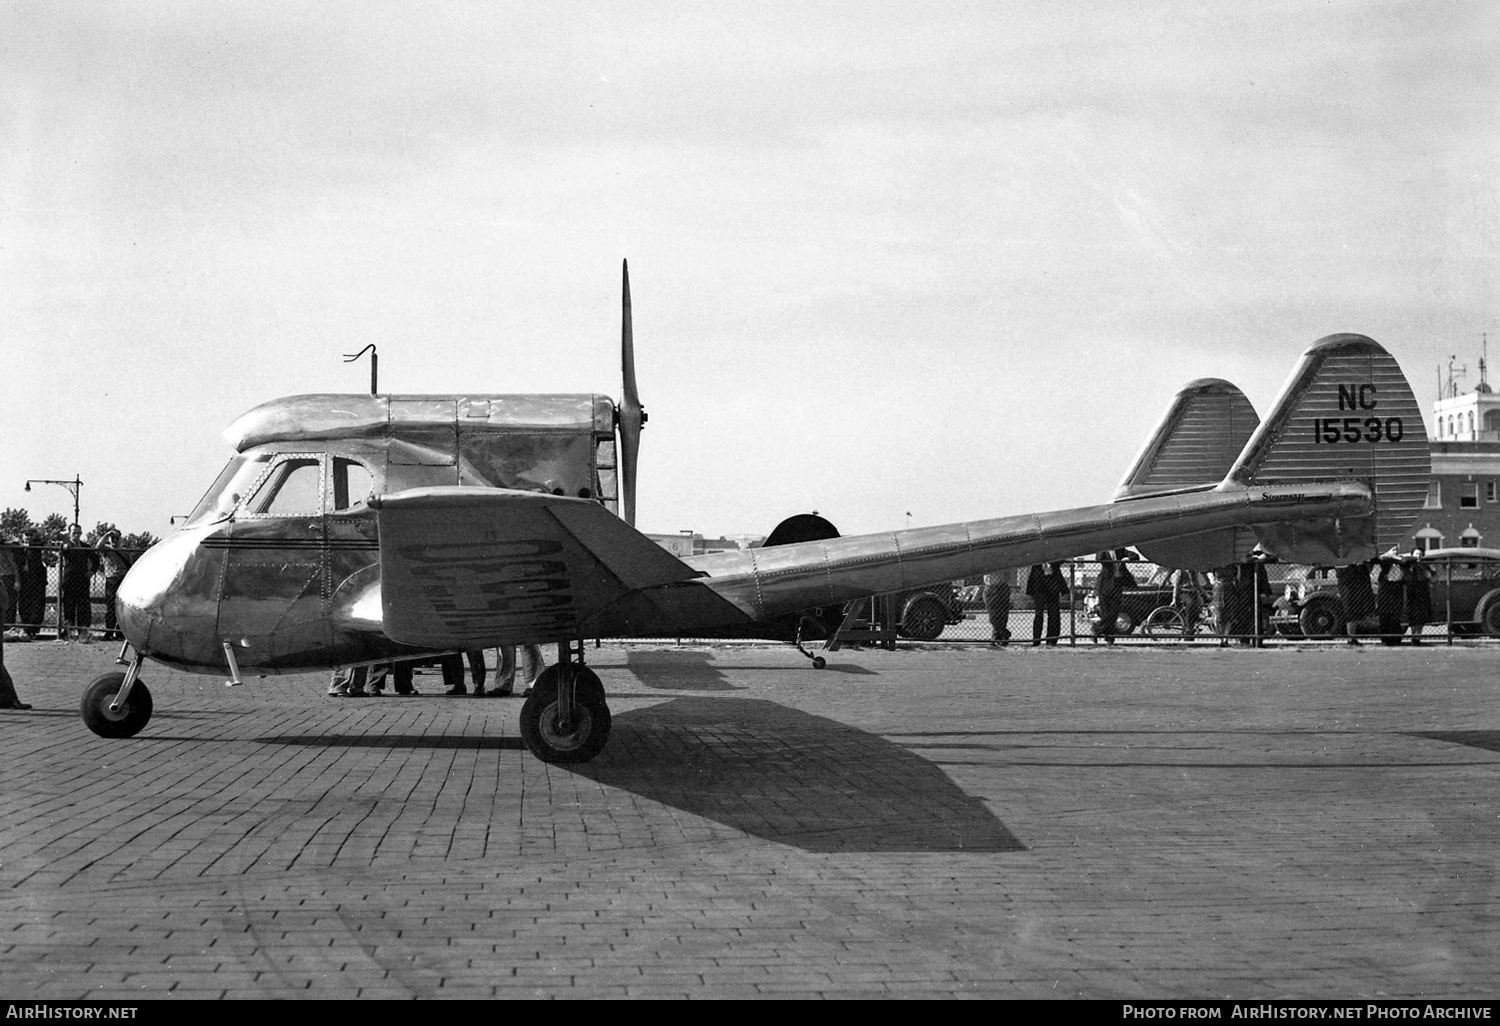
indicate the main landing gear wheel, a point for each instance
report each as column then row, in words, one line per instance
column 128, row 720
column 542, row 729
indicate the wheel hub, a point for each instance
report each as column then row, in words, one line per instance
column 583, row 726
column 109, row 712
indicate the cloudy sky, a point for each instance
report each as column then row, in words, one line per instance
column 946, row 259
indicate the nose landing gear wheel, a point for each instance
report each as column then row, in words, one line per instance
column 541, row 726
column 127, row 721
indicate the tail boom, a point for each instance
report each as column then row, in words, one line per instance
column 770, row 582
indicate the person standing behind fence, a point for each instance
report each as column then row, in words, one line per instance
column 10, row 580
column 79, row 564
column 1046, row 586
column 1418, row 595
column 116, row 563
column 1114, row 578
column 1187, row 598
column 997, row 605
column 1358, row 596
column 1390, row 599
column 31, row 602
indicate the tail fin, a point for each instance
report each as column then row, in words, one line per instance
column 1194, row 446
column 1196, row 442
column 1346, row 413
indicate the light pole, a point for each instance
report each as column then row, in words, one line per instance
column 75, row 486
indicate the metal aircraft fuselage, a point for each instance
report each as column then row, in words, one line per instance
column 281, row 557
column 359, row 529
column 364, row 529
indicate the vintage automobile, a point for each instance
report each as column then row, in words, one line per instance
column 925, row 613
column 1465, row 586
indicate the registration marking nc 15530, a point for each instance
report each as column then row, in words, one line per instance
column 1336, row 430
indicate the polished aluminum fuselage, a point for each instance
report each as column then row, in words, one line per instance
column 296, row 592
column 296, row 585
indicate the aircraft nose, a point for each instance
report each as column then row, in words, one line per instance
column 142, row 603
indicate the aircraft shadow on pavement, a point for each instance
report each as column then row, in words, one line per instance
column 694, row 671
column 678, row 671
column 395, row 741
column 1489, row 740
column 794, row 778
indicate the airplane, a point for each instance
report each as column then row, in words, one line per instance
column 361, row 529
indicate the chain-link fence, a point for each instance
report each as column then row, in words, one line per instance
column 1252, row 603
column 58, row 591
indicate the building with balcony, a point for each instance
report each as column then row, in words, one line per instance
column 1463, row 497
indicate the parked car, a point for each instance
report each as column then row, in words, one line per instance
column 925, row 613
column 1465, row 591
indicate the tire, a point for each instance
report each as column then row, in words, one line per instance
column 924, row 618
column 129, row 720
column 1487, row 613
column 1320, row 620
column 591, row 724
column 1125, row 623
column 1164, row 621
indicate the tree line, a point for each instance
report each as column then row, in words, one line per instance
column 17, row 524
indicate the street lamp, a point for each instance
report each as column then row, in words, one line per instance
column 75, row 486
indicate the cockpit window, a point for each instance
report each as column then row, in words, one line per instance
column 352, row 483
column 293, row 488
column 228, row 488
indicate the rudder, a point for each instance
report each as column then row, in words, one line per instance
column 1347, row 413
column 1194, row 445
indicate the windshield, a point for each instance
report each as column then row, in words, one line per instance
column 227, row 490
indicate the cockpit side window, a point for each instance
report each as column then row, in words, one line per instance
column 352, row 483
column 292, row 488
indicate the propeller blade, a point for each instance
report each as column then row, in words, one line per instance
column 632, row 414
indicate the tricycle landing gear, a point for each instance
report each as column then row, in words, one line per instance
column 117, row 704
column 566, row 718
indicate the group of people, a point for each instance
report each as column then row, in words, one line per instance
column 1399, row 600
column 25, row 563
column 1046, row 586
column 362, row 681
column 1402, row 592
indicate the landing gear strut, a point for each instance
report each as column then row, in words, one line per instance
column 117, row 704
column 818, row 662
column 566, row 719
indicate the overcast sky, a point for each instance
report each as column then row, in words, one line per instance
column 945, row 259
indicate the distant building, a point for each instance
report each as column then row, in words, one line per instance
column 1463, row 497
column 689, row 543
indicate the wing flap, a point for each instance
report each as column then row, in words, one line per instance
column 475, row 567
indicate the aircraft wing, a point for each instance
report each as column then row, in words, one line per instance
column 468, row 567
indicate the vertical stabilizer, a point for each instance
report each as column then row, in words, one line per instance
column 1194, row 445
column 1346, row 413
